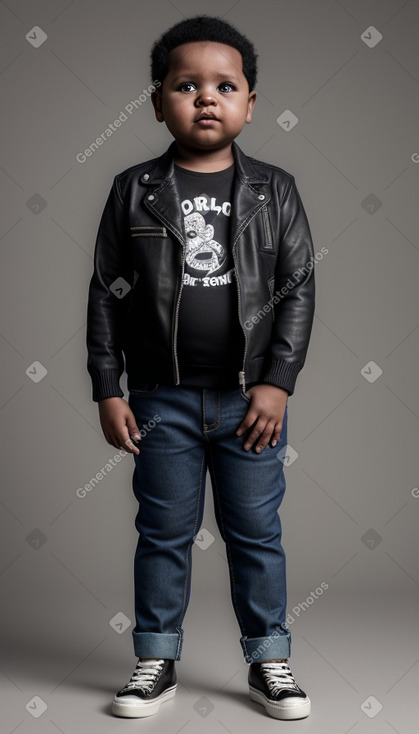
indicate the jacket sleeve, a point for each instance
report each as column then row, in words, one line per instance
column 107, row 299
column 294, row 295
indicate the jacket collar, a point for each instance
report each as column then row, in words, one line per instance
column 164, row 167
column 251, row 192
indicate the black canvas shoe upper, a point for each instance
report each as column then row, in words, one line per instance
column 150, row 679
column 274, row 680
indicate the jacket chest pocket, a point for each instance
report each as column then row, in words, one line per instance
column 268, row 245
column 151, row 252
column 262, row 231
column 146, row 230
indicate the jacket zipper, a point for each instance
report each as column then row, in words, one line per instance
column 242, row 373
column 176, row 324
column 242, row 376
column 175, row 327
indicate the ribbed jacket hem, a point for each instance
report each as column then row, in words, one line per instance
column 283, row 374
column 106, row 385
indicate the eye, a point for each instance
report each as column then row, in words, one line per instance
column 191, row 234
column 187, row 87
column 226, row 87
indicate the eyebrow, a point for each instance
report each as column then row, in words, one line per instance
column 193, row 75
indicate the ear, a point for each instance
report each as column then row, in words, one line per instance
column 250, row 105
column 157, row 102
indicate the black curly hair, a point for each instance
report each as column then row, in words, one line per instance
column 202, row 28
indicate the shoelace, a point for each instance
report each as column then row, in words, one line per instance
column 145, row 675
column 278, row 677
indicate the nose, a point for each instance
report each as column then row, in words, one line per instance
column 205, row 98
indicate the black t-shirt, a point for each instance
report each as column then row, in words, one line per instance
column 210, row 338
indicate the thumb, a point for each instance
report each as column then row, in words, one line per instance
column 133, row 429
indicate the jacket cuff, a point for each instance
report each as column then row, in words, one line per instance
column 282, row 374
column 106, row 385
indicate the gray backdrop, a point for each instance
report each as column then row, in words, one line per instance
column 347, row 73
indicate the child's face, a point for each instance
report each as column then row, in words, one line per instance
column 205, row 80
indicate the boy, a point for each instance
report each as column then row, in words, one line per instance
column 201, row 291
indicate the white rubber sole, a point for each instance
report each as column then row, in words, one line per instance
column 136, row 709
column 287, row 709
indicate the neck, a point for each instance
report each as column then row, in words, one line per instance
column 204, row 161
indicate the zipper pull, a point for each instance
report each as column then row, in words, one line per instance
column 242, row 379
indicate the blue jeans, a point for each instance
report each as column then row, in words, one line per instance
column 186, row 430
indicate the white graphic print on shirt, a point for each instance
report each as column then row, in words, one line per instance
column 204, row 254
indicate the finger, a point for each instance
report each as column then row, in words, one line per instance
column 133, row 430
column 277, row 434
column 112, row 440
column 248, row 421
column 264, row 438
column 126, row 443
column 131, row 447
column 258, row 428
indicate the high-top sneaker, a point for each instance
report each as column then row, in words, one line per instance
column 152, row 682
column 273, row 685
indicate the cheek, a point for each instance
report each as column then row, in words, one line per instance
column 177, row 108
column 238, row 110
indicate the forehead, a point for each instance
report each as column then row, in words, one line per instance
column 208, row 56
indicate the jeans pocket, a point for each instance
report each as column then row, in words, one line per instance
column 244, row 395
column 144, row 388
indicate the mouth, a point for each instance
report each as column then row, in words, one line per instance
column 206, row 118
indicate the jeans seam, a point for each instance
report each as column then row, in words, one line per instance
column 144, row 393
column 244, row 395
column 211, row 426
column 188, row 550
column 179, row 642
column 229, row 558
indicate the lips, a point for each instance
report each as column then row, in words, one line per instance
column 204, row 116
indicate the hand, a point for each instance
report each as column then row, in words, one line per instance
column 265, row 414
column 118, row 424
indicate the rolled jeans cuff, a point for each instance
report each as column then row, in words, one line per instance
column 259, row 649
column 158, row 645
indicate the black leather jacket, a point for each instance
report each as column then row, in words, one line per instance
column 136, row 286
